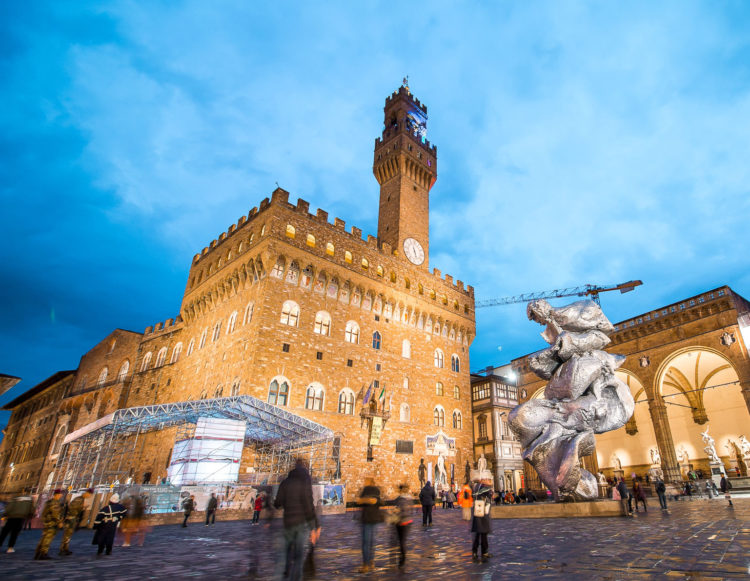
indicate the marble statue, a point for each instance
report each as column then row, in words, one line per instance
column 583, row 397
column 422, row 473
column 616, row 462
column 655, row 456
column 602, row 479
column 482, row 464
column 682, row 456
column 710, row 447
column 441, row 476
column 745, row 446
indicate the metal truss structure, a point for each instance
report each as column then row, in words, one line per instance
column 105, row 452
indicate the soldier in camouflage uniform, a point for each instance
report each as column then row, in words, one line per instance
column 51, row 520
column 75, row 512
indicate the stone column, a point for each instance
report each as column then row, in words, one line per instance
column 660, row 421
column 745, row 388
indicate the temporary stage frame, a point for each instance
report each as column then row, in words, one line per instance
column 105, row 452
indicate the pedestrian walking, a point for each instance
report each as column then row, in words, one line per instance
column 451, row 498
column 258, row 508
column 295, row 497
column 369, row 500
column 188, row 506
column 427, row 500
column 726, row 487
column 52, row 519
column 639, row 495
column 16, row 513
column 106, row 523
column 404, row 511
column 465, row 501
column 624, row 494
column 211, row 509
column 480, row 521
column 73, row 517
column 661, row 492
column 133, row 524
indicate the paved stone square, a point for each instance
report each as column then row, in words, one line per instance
column 697, row 539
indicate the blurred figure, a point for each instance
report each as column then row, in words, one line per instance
column 211, row 509
column 188, row 506
column 73, row 519
column 480, row 522
column 369, row 500
column 133, row 524
column 465, row 501
column 52, row 519
column 404, row 510
column 16, row 512
column 639, row 495
column 726, row 488
column 427, row 500
column 295, row 497
column 106, row 523
column 661, row 492
column 451, row 498
column 258, row 508
column 623, row 493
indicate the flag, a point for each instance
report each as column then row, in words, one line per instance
column 381, row 397
column 368, row 393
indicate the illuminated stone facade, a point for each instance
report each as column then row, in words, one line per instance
column 296, row 310
column 688, row 368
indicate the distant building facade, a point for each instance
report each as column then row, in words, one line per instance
column 688, row 368
column 306, row 315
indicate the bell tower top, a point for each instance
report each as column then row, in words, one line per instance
column 405, row 166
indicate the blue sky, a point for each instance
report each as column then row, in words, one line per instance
column 578, row 142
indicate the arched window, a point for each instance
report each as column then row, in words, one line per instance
column 203, row 395
column 232, row 322
column 248, row 313
column 348, row 257
column 219, row 391
column 278, row 392
column 176, row 352
column 236, row 387
column 203, row 339
column 439, row 388
column 365, row 263
column 314, row 397
column 290, row 231
column 406, row 383
column 322, row 323
column 217, row 331
column 329, row 249
column 379, row 271
column 123, row 371
column 457, row 420
column 438, row 416
column 346, row 402
column 404, row 413
column 311, row 240
column 146, row 361
column 102, row 376
column 406, row 349
column 161, row 357
column 278, row 269
column 455, row 363
column 290, row 313
column 439, row 359
column 376, row 340
column 191, row 346
column 456, row 392
column 351, row 335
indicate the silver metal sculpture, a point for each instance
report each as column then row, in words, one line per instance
column 583, row 397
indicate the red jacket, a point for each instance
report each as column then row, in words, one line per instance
column 258, row 503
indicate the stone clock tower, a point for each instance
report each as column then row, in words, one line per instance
column 405, row 166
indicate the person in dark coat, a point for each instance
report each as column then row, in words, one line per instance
column 622, row 490
column 106, row 524
column 404, row 511
column 427, row 500
column 480, row 521
column 188, row 506
column 17, row 511
column 295, row 497
column 369, row 500
column 639, row 496
column 661, row 492
column 211, row 509
column 725, row 487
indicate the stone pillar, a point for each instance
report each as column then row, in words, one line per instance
column 659, row 419
column 745, row 388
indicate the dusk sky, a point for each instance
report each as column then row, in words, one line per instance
column 578, row 142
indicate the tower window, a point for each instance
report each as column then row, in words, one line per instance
column 365, row 263
column 329, row 249
column 278, row 393
column 285, row 347
column 348, row 257
column 311, row 240
column 376, row 340
column 290, row 231
column 319, row 355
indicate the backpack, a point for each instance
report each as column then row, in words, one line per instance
column 481, row 508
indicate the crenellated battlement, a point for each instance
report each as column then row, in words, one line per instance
column 163, row 327
column 369, row 243
column 403, row 92
column 388, row 133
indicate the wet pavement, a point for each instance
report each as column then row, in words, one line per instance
column 701, row 539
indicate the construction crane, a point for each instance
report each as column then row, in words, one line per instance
column 588, row 290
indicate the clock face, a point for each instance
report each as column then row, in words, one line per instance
column 414, row 251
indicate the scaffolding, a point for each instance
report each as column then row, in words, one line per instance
column 105, row 452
